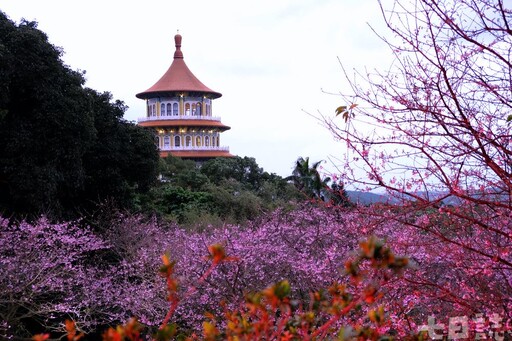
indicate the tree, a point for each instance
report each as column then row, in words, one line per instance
column 50, row 271
column 53, row 272
column 244, row 170
column 219, row 190
column 440, row 112
column 440, row 136
column 338, row 196
column 42, row 106
column 62, row 146
column 122, row 160
column 308, row 180
column 174, row 201
column 172, row 167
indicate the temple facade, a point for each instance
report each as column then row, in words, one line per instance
column 179, row 109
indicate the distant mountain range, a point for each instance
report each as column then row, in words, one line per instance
column 367, row 198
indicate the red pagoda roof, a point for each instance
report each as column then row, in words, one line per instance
column 178, row 78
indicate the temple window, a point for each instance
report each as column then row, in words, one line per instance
column 175, row 109
column 198, row 141
column 167, row 141
column 177, row 141
column 188, row 141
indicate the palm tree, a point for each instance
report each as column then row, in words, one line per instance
column 307, row 179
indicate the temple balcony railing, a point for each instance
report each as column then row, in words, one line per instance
column 195, row 148
column 182, row 117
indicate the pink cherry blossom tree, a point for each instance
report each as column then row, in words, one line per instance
column 436, row 119
column 432, row 131
column 52, row 272
column 48, row 275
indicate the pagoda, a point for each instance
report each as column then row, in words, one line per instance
column 179, row 109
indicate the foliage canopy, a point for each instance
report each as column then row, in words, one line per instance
column 63, row 147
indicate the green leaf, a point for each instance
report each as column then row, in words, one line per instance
column 282, row 289
column 166, row 333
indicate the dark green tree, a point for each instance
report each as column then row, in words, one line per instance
column 183, row 173
column 171, row 166
column 55, row 134
column 173, row 202
column 220, row 190
column 45, row 126
column 122, row 160
column 242, row 169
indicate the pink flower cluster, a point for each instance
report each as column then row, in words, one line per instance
column 51, row 272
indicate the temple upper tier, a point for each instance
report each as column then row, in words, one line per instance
column 179, row 108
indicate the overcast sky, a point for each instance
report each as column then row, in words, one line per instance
column 269, row 59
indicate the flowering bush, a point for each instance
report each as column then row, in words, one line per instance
column 48, row 273
column 271, row 314
column 306, row 247
column 55, row 271
column 58, row 271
